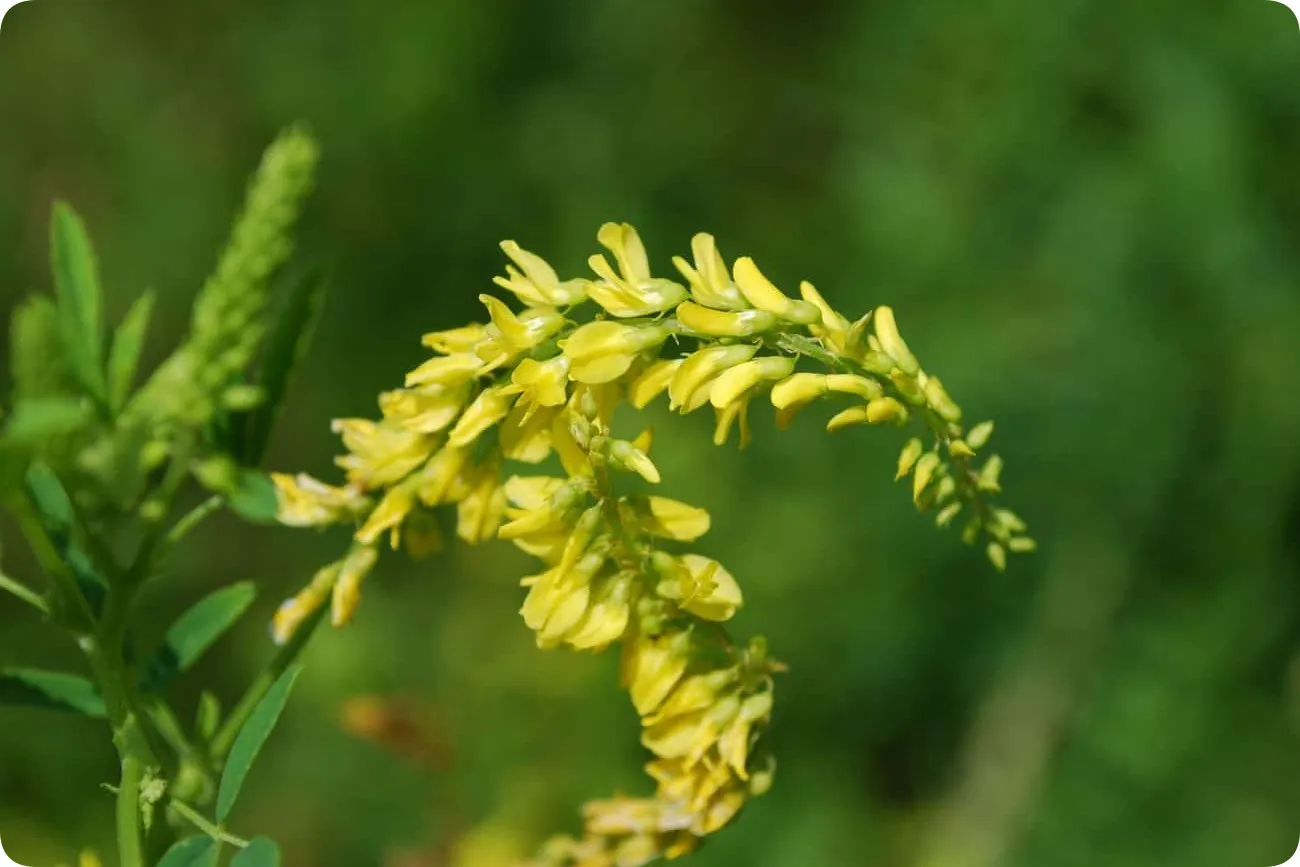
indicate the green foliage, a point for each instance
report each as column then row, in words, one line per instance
column 261, row 852
column 124, row 357
column 285, row 348
column 92, row 473
column 80, row 303
column 191, row 852
column 31, row 687
column 251, row 738
column 196, row 630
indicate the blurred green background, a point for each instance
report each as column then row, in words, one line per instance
column 1087, row 216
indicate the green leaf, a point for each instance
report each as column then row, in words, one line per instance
column 124, row 356
column 76, row 285
column 248, row 743
column 37, row 361
column 38, row 420
column 195, row 631
column 261, row 852
column 194, row 851
column 253, row 497
column 32, row 687
column 285, row 348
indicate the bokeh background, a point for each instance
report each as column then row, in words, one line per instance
column 1087, row 215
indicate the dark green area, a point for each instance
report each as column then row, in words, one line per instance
column 1087, row 216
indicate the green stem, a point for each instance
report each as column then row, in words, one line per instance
column 197, row 819
column 25, row 593
column 130, row 847
column 287, row 655
column 192, row 519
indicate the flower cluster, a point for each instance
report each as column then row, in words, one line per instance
column 533, row 382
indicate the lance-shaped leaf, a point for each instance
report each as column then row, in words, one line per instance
column 195, row 631
column 286, row 345
column 33, row 687
column 38, row 420
column 191, row 852
column 260, row 852
column 76, row 285
column 248, row 743
column 124, row 356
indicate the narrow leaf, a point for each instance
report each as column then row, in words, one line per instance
column 39, row 420
column 253, row 497
column 124, row 356
column 196, row 630
column 37, row 360
column 32, row 687
column 76, row 284
column 261, row 852
column 194, row 851
column 249, row 741
column 285, row 348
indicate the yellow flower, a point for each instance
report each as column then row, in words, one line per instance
column 538, row 284
column 388, row 515
column 737, row 382
column 668, row 519
column 726, row 419
column 711, row 284
column 293, row 611
column 631, row 291
column 760, row 292
column 695, row 693
column 543, row 383
column 834, row 329
column 448, row 370
column 379, row 454
column 689, row 736
column 427, row 409
column 891, row 342
column 455, row 340
column 733, row 745
column 691, row 383
column 626, row 456
column 483, row 504
column 652, row 381
column 603, row 351
column 306, row 502
column 436, row 478
column 488, row 408
column 701, row 586
column 353, row 570
column 558, row 598
column 652, row 666
column 607, row 614
column 719, row 323
column 521, row 333
column 526, row 433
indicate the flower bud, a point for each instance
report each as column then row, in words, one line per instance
column 891, row 342
column 718, row 323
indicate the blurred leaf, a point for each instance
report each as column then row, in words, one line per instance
column 38, row 420
column 36, row 357
column 286, row 346
column 55, row 510
column 261, row 852
column 31, row 687
column 124, row 356
column 208, row 716
column 253, row 497
column 191, row 852
column 76, row 284
column 250, row 739
column 196, row 630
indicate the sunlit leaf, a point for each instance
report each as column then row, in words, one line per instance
column 124, row 356
column 76, row 285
